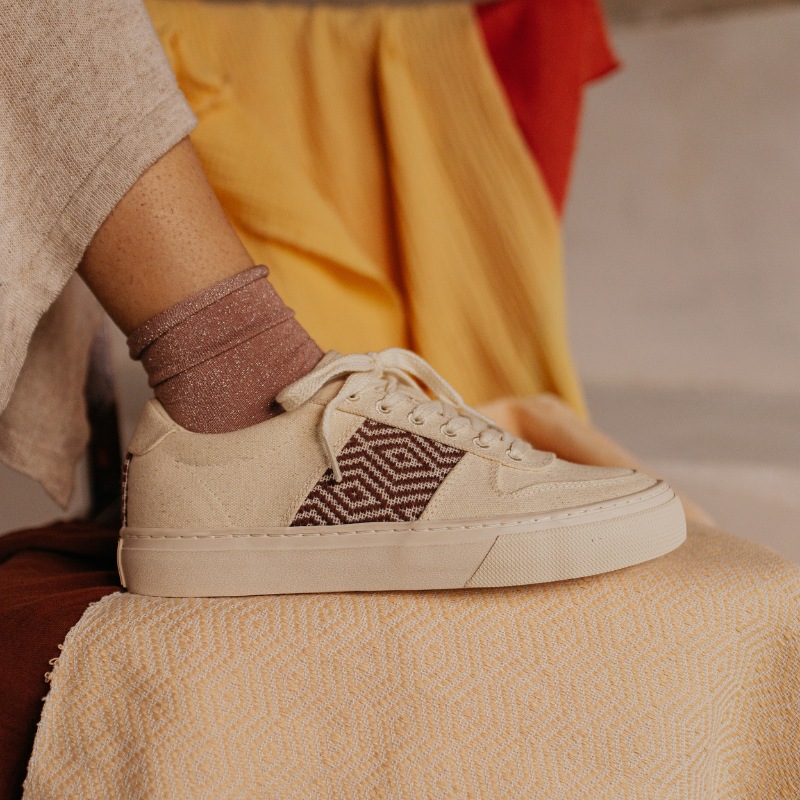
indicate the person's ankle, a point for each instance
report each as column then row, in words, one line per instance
column 218, row 359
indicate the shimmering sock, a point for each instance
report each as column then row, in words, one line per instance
column 218, row 359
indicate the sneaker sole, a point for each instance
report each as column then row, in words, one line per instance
column 503, row 551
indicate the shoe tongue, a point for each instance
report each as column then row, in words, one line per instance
column 328, row 391
column 329, row 357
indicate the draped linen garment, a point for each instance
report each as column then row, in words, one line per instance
column 369, row 156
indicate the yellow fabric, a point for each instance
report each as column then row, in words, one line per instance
column 368, row 157
column 676, row 679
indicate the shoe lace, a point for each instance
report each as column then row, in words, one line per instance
column 399, row 373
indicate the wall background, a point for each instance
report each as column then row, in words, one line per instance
column 682, row 251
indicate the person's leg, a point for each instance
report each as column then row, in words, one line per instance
column 384, row 489
column 368, row 482
column 166, row 239
column 216, row 340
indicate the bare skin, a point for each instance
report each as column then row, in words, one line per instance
column 166, row 239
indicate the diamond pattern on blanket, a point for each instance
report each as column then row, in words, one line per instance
column 388, row 475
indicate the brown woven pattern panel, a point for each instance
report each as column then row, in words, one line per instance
column 388, row 475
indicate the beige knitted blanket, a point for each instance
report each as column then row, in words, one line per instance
column 679, row 678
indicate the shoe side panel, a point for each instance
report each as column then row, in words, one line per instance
column 251, row 478
column 479, row 488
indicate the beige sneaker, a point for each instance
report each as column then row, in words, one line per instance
column 365, row 484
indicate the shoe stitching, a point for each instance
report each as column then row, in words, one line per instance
column 222, row 507
column 432, row 529
column 541, row 487
column 147, row 448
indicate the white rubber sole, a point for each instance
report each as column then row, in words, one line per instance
column 503, row 551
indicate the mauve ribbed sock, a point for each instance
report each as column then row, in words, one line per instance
column 218, row 359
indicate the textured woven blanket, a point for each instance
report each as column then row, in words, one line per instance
column 679, row 678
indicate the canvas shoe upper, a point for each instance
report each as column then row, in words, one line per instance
column 377, row 476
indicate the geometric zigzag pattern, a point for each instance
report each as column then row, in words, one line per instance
column 388, row 475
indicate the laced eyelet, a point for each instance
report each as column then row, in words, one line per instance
column 353, row 398
column 414, row 420
column 447, row 432
column 382, row 409
column 478, row 442
column 512, row 456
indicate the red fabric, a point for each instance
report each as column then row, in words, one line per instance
column 48, row 577
column 544, row 51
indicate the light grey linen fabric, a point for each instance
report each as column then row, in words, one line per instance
column 87, row 102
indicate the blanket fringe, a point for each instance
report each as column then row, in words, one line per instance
column 52, row 662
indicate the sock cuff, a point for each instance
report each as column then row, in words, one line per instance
column 157, row 326
column 208, row 324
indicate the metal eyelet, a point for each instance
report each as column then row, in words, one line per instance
column 353, row 398
column 446, row 432
column 381, row 408
column 478, row 443
column 413, row 420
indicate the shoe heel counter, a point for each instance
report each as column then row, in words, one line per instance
column 139, row 494
column 163, row 487
column 153, row 427
column 125, row 468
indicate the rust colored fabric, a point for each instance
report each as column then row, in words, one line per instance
column 48, row 577
column 544, row 52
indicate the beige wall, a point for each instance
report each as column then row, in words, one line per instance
column 683, row 253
